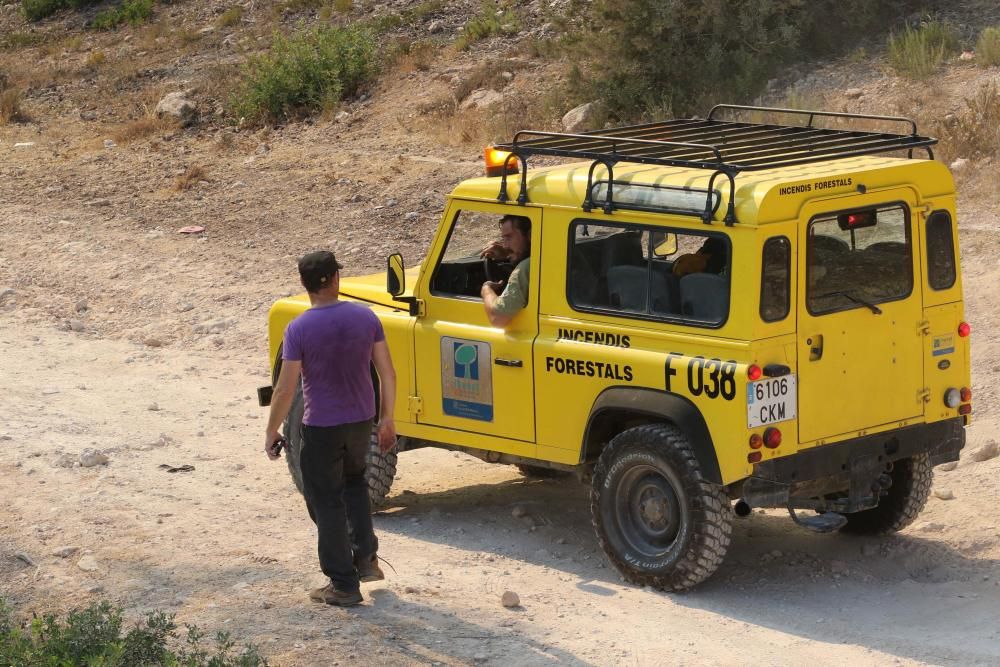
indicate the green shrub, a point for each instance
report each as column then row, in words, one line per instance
column 645, row 58
column 36, row 10
column 919, row 52
column 130, row 11
column 310, row 71
column 988, row 47
column 486, row 23
column 231, row 17
column 94, row 636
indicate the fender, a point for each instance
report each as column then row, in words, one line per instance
column 631, row 402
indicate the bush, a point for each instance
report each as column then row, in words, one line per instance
column 486, row 24
column 988, row 47
column 310, row 71
column 133, row 12
column 645, row 58
column 975, row 132
column 919, row 52
column 94, row 636
column 36, row 10
column 10, row 108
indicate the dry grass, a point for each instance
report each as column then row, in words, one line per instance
column 230, row 17
column 95, row 59
column 10, row 106
column 143, row 128
column 974, row 133
column 418, row 56
column 487, row 75
column 194, row 174
column 447, row 124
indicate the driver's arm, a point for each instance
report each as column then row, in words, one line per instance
column 502, row 309
column 490, row 299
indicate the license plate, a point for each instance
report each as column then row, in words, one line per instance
column 770, row 401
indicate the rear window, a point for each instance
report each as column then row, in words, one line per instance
column 856, row 259
column 940, row 251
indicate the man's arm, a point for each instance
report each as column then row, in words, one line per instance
column 387, row 386
column 281, row 402
column 490, row 298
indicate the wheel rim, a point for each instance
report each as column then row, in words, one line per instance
column 648, row 511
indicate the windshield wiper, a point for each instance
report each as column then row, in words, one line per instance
column 850, row 297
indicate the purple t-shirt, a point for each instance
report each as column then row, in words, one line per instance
column 334, row 344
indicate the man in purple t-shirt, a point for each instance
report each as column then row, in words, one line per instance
column 331, row 346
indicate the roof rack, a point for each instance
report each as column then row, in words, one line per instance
column 723, row 147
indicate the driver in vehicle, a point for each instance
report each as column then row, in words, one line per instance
column 514, row 246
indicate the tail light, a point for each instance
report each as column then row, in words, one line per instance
column 772, row 437
column 965, row 409
column 964, row 329
column 965, row 394
column 952, row 398
column 756, row 442
column 754, row 372
column 754, row 457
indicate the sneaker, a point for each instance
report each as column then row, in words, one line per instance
column 368, row 569
column 330, row 595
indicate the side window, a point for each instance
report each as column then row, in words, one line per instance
column 858, row 259
column 460, row 271
column 649, row 272
column 940, row 251
column 775, row 279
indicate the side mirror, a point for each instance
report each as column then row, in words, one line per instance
column 664, row 244
column 395, row 282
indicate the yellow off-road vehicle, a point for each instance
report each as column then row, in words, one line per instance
column 722, row 315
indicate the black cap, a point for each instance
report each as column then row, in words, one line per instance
column 317, row 269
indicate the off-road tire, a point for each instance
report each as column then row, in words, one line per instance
column 539, row 472
column 657, row 461
column 380, row 470
column 911, row 486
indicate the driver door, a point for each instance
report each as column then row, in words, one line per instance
column 471, row 376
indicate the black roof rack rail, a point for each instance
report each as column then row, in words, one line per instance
column 725, row 147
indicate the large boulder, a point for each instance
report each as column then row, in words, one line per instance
column 581, row 118
column 177, row 105
column 481, row 99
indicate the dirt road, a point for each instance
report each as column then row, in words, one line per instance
column 228, row 545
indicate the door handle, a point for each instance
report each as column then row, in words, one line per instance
column 815, row 344
column 511, row 363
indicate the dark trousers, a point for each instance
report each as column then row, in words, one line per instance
column 336, row 493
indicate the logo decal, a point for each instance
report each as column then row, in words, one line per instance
column 466, row 379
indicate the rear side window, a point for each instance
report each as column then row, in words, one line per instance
column 775, row 277
column 940, row 251
column 856, row 259
column 649, row 273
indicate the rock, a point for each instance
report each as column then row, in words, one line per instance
column 263, row 149
column 412, row 215
column 266, row 604
column 6, row 293
column 580, row 118
column 410, row 590
column 176, row 105
column 214, row 326
column 76, row 325
column 481, row 99
column 64, row 461
column 944, row 494
column 109, row 143
column 930, row 527
column 88, row 115
column 519, row 512
column 507, row 76
column 342, row 116
column 510, row 599
column 948, row 467
column 988, row 451
column 967, row 55
column 183, row 308
column 90, row 458
column 435, row 27
column 153, row 407
column 88, row 564
column 65, row 552
column 959, row 164
column 24, row 558
column 853, row 93
column 950, row 120
column 152, row 342
column 24, row 144
column 81, row 306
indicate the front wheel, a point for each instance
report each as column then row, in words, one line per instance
column 660, row 522
column 911, row 486
column 379, row 471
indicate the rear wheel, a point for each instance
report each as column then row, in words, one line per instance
column 660, row 522
column 906, row 498
column 380, row 470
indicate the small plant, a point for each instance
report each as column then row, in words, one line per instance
column 309, row 72
column 988, row 47
column 143, row 128
column 20, row 40
column 10, row 108
column 133, row 12
column 95, row 59
column 343, row 6
column 975, row 132
column 231, row 17
column 487, row 23
column 194, row 174
column 36, row 10
column 919, row 52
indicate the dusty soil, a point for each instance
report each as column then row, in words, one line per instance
column 119, row 334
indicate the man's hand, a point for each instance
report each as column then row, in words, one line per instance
column 270, row 440
column 495, row 251
column 386, row 434
column 493, row 286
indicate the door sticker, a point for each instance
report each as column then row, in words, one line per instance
column 943, row 345
column 466, row 379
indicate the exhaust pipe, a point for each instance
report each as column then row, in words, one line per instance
column 742, row 508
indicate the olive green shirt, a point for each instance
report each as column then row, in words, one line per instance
column 515, row 295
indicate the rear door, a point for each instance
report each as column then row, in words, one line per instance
column 860, row 310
